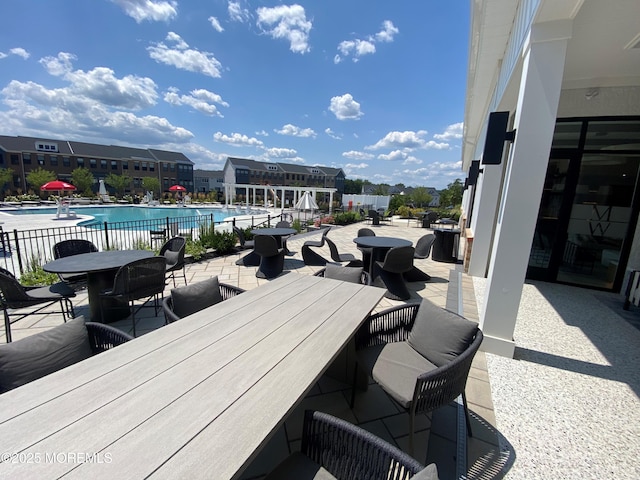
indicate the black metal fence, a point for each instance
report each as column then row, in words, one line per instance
column 21, row 249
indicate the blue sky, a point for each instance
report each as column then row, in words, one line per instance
column 373, row 87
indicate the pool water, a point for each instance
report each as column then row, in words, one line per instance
column 129, row 213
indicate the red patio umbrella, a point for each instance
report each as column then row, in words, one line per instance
column 57, row 186
column 177, row 188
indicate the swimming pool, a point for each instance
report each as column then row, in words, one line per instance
column 130, row 213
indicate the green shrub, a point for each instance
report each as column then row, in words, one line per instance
column 34, row 275
column 223, row 242
column 297, row 225
column 345, row 218
column 195, row 249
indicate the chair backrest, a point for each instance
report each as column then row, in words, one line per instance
column 12, row 293
column 283, row 224
column 398, row 259
column 175, row 244
column 140, row 279
column 75, row 246
column 335, row 255
column 366, row 232
column 423, row 245
column 266, row 245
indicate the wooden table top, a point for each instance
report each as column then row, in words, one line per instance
column 194, row 399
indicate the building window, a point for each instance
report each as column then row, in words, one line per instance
column 80, row 162
column 144, row 166
column 93, row 163
column 165, row 167
column 26, row 158
column 172, row 166
column 125, row 165
column 66, row 161
column 53, row 160
column 136, row 165
column 152, row 167
column 114, row 165
column 40, row 159
column 15, row 160
column 103, row 164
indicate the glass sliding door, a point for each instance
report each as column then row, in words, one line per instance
column 599, row 219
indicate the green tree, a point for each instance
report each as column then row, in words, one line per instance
column 6, row 176
column 151, row 184
column 119, row 182
column 396, row 202
column 421, row 197
column 353, row 187
column 382, row 189
column 452, row 195
column 83, row 180
column 38, row 177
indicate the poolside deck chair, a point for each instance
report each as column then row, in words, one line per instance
column 173, row 252
column 67, row 248
column 309, row 256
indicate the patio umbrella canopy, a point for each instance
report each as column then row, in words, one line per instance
column 177, row 188
column 306, row 202
column 57, row 186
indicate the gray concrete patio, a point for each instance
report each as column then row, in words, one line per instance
column 508, row 442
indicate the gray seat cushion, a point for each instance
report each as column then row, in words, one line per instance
column 430, row 472
column 346, row 274
column 395, row 367
column 38, row 355
column 440, row 335
column 171, row 257
column 299, row 467
column 195, row 297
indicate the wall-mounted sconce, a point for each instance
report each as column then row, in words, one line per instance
column 474, row 171
column 497, row 134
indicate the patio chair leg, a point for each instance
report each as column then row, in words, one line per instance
column 353, row 386
column 7, row 326
column 466, row 414
column 411, row 429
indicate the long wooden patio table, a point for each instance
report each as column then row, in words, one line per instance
column 194, row 399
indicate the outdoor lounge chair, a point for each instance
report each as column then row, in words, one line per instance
column 40, row 354
column 195, row 297
column 420, row 354
column 271, row 257
column 67, row 248
column 334, row 448
column 309, row 256
column 141, row 279
column 13, row 295
column 366, row 252
column 346, row 274
column 244, row 244
column 389, row 273
column 173, row 252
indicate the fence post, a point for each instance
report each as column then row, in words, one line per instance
column 19, row 254
column 106, row 236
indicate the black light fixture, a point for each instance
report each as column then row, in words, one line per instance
column 474, row 171
column 497, row 134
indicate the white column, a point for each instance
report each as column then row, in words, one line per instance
column 540, row 85
column 330, row 202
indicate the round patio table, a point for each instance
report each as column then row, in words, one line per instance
column 380, row 247
column 101, row 268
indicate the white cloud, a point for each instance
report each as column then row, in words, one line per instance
column 101, row 84
column 281, row 152
column 287, row 22
column 355, row 155
column 20, row 52
column 356, row 166
column 263, row 133
column 215, row 23
column 394, row 156
column 151, row 10
column 237, row 13
column 387, row 32
column 184, row 58
column 453, row 131
column 64, row 112
column 359, row 47
column 237, row 140
column 201, row 100
column 407, row 140
column 411, row 160
column 345, row 107
column 332, row 134
column 294, row 131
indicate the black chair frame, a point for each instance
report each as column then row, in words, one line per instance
column 226, row 291
column 313, row 258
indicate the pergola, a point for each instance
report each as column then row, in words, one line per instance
column 277, row 192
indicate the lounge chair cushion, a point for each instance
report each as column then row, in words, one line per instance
column 430, row 472
column 346, row 274
column 299, row 466
column 396, row 367
column 440, row 335
column 43, row 353
column 195, row 297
